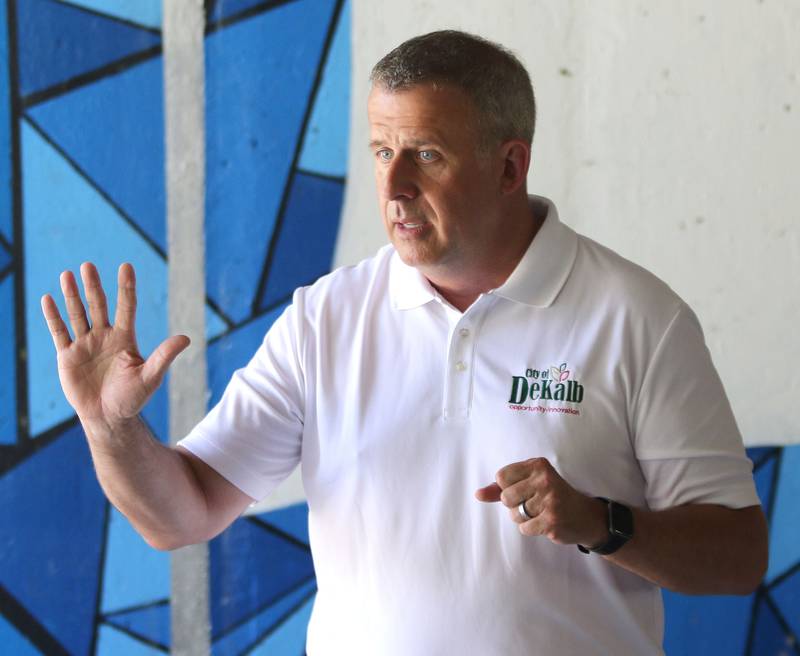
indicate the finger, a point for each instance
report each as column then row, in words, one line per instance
column 524, row 490
column 56, row 325
column 515, row 472
column 159, row 361
column 95, row 296
column 125, row 316
column 488, row 493
column 75, row 309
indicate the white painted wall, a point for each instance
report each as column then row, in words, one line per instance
column 667, row 131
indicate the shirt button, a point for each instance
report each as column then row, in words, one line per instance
column 464, row 332
column 461, row 366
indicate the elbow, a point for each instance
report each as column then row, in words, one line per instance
column 167, row 542
column 755, row 561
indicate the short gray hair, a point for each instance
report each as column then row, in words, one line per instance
column 489, row 74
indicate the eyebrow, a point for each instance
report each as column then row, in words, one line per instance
column 374, row 143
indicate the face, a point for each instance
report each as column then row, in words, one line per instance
column 436, row 192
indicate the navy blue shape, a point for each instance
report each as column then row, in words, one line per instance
column 786, row 595
column 254, row 630
column 113, row 129
column 58, row 42
column 304, row 248
column 8, row 363
column 259, row 78
column 226, row 8
column 151, row 623
column 234, row 350
column 250, row 569
column 765, row 481
column 769, row 637
column 292, row 520
column 705, row 625
column 51, row 531
column 759, row 453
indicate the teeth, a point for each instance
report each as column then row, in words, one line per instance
column 411, row 225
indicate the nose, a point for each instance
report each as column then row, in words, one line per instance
column 397, row 179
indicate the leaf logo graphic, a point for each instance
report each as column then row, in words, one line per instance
column 559, row 374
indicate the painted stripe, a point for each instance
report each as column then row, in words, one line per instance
column 183, row 28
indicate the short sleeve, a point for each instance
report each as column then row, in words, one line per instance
column 686, row 439
column 253, row 435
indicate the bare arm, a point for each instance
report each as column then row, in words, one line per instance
column 693, row 549
column 170, row 496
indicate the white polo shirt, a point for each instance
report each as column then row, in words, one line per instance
column 398, row 407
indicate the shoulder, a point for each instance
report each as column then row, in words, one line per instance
column 614, row 281
column 348, row 287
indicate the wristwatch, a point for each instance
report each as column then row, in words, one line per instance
column 620, row 528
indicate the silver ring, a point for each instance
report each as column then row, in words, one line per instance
column 521, row 510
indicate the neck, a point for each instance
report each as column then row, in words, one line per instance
column 490, row 268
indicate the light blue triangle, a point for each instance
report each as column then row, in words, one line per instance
column 13, row 642
column 784, row 543
column 135, row 573
column 290, row 637
column 143, row 12
column 66, row 222
column 111, row 642
column 5, row 131
column 215, row 325
column 326, row 139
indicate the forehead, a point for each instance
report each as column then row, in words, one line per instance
column 442, row 110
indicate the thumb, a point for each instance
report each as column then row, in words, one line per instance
column 159, row 361
column 489, row 493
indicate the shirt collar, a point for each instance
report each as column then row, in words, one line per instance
column 408, row 288
column 536, row 280
column 546, row 265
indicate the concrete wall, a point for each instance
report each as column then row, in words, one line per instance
column 670, row 133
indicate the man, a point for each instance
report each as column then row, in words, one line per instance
column 490, row 354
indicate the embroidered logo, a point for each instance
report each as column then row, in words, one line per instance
column 537, row 386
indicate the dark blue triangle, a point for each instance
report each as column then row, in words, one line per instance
column 292, row 520
column 250, row 569
column 151, row 623
column 304, row 250
column 769, row 637
column 234, row 350
column 254, row 630
column 113, row 129
column 759, row 453
column 58, row 42
column 8, row 363
column 705, row 625
column 786, row 596
column 259, row 77
column 51, row 532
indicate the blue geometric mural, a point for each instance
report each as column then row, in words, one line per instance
column 82, row 178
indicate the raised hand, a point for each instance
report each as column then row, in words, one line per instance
column 103, row 375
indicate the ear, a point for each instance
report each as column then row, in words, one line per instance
column 516, row 161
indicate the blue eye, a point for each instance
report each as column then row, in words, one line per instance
column 384, row 155
column 427, row 155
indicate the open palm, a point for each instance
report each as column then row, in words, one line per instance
column 102, row 373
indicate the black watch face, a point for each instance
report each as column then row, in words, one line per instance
column 621, row 521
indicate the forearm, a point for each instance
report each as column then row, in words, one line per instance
column 151, row 484
column 698, row 549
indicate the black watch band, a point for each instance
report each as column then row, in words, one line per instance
column 620, row 528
